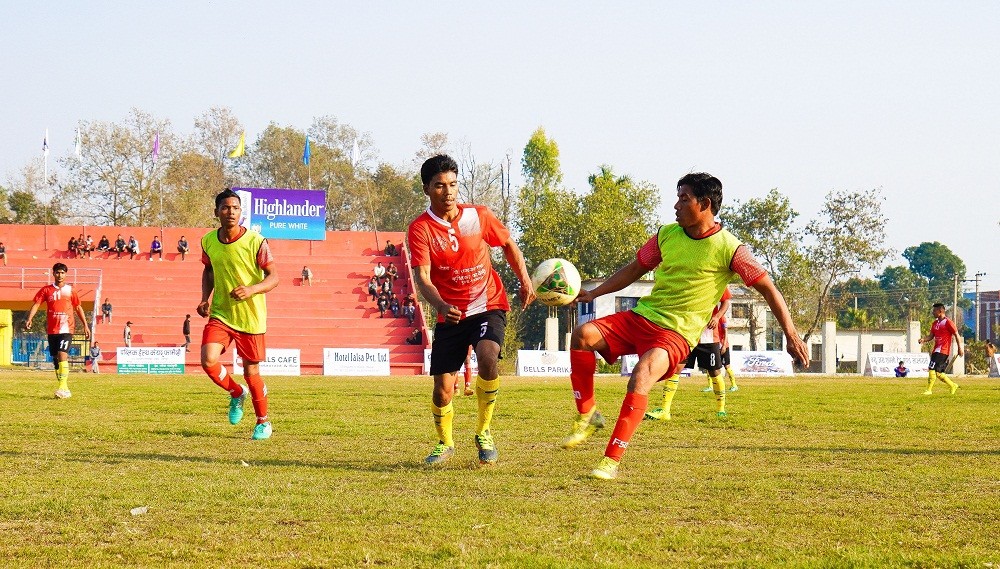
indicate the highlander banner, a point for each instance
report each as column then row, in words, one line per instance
column 278, row 213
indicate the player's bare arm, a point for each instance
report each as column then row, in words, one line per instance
column 430, row 294
column 713, row 322
column 796, row 347
column 207, row 285
column 31, row 316
column 83, row 320
column 516, row 261
column 270, row 281
column 621, row 279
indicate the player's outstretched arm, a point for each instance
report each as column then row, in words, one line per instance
column 796, row 347
column 621, row 279
column 516, row 261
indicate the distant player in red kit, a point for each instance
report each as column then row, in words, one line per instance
column 942, row 331
column 61, row 303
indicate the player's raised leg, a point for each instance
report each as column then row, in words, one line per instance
column 210, row 354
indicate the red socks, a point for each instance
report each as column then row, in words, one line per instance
column 218, row 374
column 583, row 364
column 629, row 418
column 258, row 393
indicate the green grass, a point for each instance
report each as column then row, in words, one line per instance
column 806, row 472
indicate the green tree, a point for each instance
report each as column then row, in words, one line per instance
column 907, row 293
column 615, row 218
column 216, row 133
column 22, row 202
column 540, row 164
column 936, row 263
column 847, row 238
column 397, row 197
column 115, row 180
column 190, row 182
column 767, row 227
column 860, row 303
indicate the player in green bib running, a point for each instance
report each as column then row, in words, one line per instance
column 239, row 269
column 692, row 262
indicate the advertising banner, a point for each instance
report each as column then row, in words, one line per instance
column 278, row 213
column 280, row 361
column 542, row 363
column 751, row 364
column 461, row 370
column 995, row 366
column 151, row 360
column 882, row 364
column 355, row 361
column 628, row 362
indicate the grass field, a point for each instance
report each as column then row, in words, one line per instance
column 806, row 472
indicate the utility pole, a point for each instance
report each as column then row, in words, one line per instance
column 978, row 276
column 954, row 302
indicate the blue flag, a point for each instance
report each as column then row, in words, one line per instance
column 306, row 153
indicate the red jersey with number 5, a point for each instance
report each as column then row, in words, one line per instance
column 459, row 257
column 59, row 305
column 943, row 330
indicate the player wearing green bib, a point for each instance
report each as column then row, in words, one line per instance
column 692, row 262
column 239, row 269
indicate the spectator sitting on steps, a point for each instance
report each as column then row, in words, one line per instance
column 182, row 247
column 383, row 304
column 391, row 271
column 373, row 288
column 155, row 248
column 416, row 338
column 390, row 249
column 307, row 276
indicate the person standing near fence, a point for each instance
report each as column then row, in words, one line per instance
column 95, row 357
column 61, row 302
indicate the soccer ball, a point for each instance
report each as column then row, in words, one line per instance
column 556, row 282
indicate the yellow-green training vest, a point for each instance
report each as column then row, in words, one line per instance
column 690, row 280
column 235, row 264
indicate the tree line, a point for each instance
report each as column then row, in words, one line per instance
column 115, row 178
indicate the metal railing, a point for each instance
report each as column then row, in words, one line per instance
column 32, row 277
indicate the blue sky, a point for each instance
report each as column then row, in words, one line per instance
column 807, row 97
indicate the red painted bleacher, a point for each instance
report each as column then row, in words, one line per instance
column 155, row 295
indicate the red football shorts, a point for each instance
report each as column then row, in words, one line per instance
column 250, row 346
column 628, row 333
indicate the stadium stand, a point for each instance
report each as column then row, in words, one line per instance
column 335, row 312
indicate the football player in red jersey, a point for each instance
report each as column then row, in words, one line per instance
column 61, row 303
column 942, row 331
column 450, row 255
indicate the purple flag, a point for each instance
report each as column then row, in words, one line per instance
column 156, row 146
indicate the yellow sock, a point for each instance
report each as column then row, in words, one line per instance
column 486, row 393
column 719, row 387
column 946, row 379
column 931, row 378
column 669, row 389
column 62, row 374
column 731, row 376
column 711, row 384
column 443, row 417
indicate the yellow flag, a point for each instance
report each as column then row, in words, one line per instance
column 240, row 149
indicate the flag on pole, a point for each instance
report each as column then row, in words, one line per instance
column 240, row 149
column 45, row 144
column 78, row 148
column 156, row 146
column 306, row 153
column 355, row 153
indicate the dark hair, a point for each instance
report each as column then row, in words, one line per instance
column 437, row 165
column 704, row 185
column 224, row 195
column 938, row 305
column 901, row 362
column 60, row 267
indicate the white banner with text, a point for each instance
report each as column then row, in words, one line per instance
column 542, row 363
column 474, row 363
column 151, row 360
column 355, row 361
column 280, row 361
column 884, row 364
